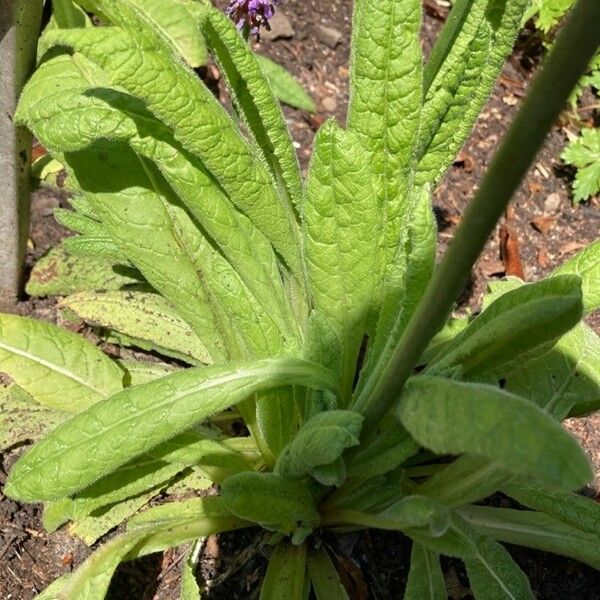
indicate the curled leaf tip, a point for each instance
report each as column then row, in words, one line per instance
column 253, row 14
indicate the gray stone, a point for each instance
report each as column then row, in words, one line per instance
column 329, row 36
column 552, row 203
column 281, row 28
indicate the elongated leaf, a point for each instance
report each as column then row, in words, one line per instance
column 255, row 101
column 463, row 81
column 534, row 530
column 97, row 114
column 59, row 273
column 58, row 368
column 320, row 441
column 286, row 574
column 53, row 590
column 324, row 577
column 178, row 21
column 450, row 417
column 21, row 419
column 493, row 574
column 146, row 319
column 340, row 228
column 99, row 440
column 565, row 380
column 388, row 448
column 68, row 15
column 189, row 585
column 517, row 323
column 585, row 264
column 271, row 500
column 425, row 578
column 171, row 513
column 91, row 580
column 284, row 85
column 138, row 372
column 572, row 509
column 199, row 123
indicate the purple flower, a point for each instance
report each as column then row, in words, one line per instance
column 253, row 13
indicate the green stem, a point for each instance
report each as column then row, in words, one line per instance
column 549, row 93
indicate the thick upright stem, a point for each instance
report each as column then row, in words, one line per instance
column 567, row 61
column 19, row 31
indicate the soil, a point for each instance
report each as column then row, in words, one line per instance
column 543, row 230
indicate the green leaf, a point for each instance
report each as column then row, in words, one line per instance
column 425, row 578
column 270, row 500
column 54, row 589
column 584, row 153
column 285, row 578
column 285, row 86
column 99, row 440
column 171, row 513
column 387, row 449
column 494, row 575
column 21, row 419
column 325, row 580
column 189, row 585
column 199, row 123
column 516, row 325
column 534, row 530
column 138, row 372
column 59, row 273
column 68, row 15
column 572, row 509
column 451, row 417
column 340, row 226
column 178, row 21
column 147, row 321
column 94, row 526
column 408, row 513
column 565, row 380
column 105, row 114
column 386, row 78
column 255, row 101
column 585, row 264
column 463, row 81
column 58, row 368
column 320, row 441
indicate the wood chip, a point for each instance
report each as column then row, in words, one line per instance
column 510, row 253
column 544, row 223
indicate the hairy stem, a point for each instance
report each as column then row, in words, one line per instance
column 549, row 93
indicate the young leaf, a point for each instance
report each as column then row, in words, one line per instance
column 58, row 368
column 147, row 321
column 321, row 441
column 387, row 449
column 585, row 264
column 451, row 417
column 474, row 54
column 189, row 585
column 517, row 323
column 270, row 500
column 255, row 101
column 99, row 440
column 285, row 578
column 325, row 580
column 494, row 575
column 425, row 578
column 59, row 273
column 534, row 530
column 285, row 86
column 340, row 224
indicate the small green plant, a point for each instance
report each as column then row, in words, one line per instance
column 301, row 308
column 581, row 152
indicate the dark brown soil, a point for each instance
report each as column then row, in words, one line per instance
column 547, row 229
